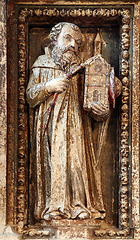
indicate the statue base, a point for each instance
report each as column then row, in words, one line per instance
column 64, row 229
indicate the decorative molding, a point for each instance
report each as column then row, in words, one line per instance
column 124, row 123
column 36, row 232
column 106, row 14
column 77, row 12
column 22, row 132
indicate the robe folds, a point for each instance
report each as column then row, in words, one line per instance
column 65, row 170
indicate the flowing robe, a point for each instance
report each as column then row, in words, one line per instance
column 66, row 173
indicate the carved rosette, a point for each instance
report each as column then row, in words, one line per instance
column 77, row 12
column 124, row 148
column 22, row 117
column 22, row 131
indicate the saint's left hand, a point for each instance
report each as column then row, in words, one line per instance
column 99, row 111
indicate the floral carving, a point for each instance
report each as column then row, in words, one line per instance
column 21, row 176
column 101, row 12
column 124, row 148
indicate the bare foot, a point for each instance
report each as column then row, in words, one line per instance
column 83, row 215
column 47, row 217
column 56, row 215
column 98, row 215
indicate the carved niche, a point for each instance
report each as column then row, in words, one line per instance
column 23, row 37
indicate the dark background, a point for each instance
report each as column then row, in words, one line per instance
column 110, row 154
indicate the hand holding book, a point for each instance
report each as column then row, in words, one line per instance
column 99, row 111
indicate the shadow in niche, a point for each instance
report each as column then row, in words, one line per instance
column 109, row 156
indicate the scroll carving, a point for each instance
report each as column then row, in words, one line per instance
column 124, row 119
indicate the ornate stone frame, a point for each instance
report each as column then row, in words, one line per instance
column 17, row 109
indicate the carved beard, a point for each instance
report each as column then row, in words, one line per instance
column 65, row 58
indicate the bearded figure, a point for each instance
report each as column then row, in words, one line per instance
column 66, row 179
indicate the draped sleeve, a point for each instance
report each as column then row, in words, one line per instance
column 43, row 70
column 37, row 90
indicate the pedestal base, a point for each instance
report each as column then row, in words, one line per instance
column 64, row 229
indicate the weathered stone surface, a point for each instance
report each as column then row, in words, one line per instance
column 3, row 115
column 5, row 231
column 135, row 120
column 79, row 232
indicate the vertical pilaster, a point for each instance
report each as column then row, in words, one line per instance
column 135, row 119
column 3, row 114
column 5, row 231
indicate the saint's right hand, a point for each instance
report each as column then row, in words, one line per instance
column 57, row 85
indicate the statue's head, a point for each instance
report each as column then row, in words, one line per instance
column 66, row 34
column 66, row 39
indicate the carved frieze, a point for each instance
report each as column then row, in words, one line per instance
column 77, row 12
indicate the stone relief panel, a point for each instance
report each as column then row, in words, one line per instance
column 67, row 173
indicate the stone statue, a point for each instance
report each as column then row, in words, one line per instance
column 67, row 180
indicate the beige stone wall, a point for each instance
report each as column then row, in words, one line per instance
column 5, row 231
column 3, row 114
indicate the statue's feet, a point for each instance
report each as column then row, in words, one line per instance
column 47, row 217
column 53, row 215
column 56, row 215
column 98, row 215
column 83, row 215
